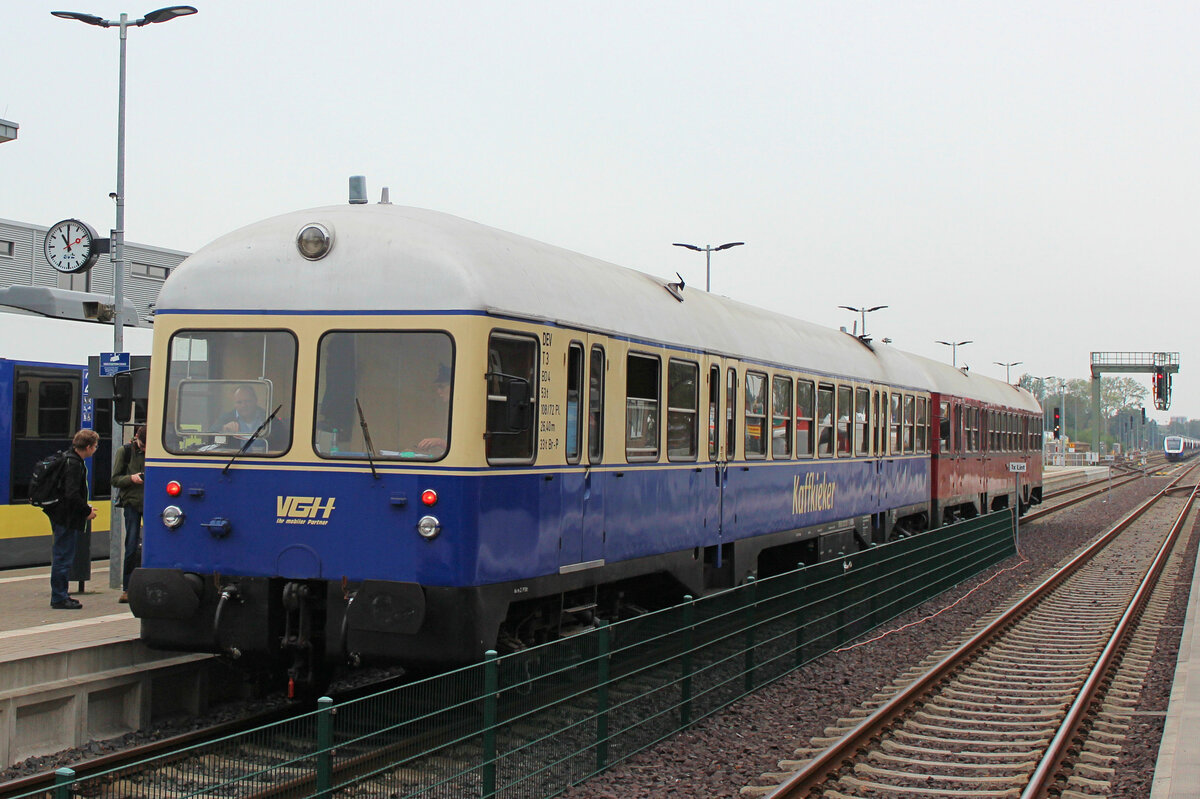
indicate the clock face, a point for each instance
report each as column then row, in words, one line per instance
column 71, row 246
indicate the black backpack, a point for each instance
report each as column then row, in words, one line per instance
column 46, row 484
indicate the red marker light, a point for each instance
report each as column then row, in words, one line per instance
column 429, row 497
column 174, row 488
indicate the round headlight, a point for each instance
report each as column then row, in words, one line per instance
column 172, row 516
column 429, row 527
column 314, row 241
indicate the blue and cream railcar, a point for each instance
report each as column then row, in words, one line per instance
column 43, row 402
column 475, row 438
column 1178, row 448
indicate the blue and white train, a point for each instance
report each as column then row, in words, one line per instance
column 380, row 433
column 1180, row 448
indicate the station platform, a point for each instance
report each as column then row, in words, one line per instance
column 1059, row 478
column 1177, row 771
column 71, row 676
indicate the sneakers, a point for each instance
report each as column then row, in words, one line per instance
column 67, row 604
column 124, row 600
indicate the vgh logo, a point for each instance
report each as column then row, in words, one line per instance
column 303, row 510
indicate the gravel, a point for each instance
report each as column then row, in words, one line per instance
column 719, row 756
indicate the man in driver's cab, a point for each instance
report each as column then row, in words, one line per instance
column 246, row 415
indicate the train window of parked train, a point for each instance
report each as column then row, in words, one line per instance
column 845, row 411
column 511, row 382
column 781, row 417
column 574, row 401
column 943, row 427
column 922, row 424
column 895, row 412
column 596, row 405
column 683, row 400
column 825, row 420
column 862, row 421
column 45, row 416
column 730, row 415
column 910, row 421
column 714, row 405
column 642, row 387
column 804, row 418
column 756, row 415
column 222, row 385
column 974, row 419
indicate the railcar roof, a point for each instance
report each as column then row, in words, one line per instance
column 396, row 258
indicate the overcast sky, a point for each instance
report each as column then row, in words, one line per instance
column 1020, row 174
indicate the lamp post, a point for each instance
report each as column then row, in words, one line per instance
column 1007, row 368
column 708, row 250
column 954, row 345
column 863, row 311
column 116, row 540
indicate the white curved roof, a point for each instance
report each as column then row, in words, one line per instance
column 395, row 258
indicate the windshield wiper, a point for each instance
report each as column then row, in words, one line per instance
column 253, row 437
column 362, row 420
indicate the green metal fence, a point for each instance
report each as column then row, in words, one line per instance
column 533, row 723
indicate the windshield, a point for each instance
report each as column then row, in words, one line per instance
column 401, row 382
column 221, row 387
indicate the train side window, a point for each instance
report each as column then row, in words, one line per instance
column 781, row 417
column 642, row 387
column 922, row 424
column 845, row 411
column 574, row 401
column 54, row 414
column 511, row 383
column 596, row 405
column 730, row 415
column 804, row 418
column 944, row 427
column 910, row 420
column 880, row 426
column 825, row 420
column 21, row 408
column 862, row 421
column 897, row 420
column 45, row 416
column 714, row 404
column 683, row 398
column 756, row 415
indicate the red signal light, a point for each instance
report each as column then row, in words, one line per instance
column 174, row 489
column 429, row 497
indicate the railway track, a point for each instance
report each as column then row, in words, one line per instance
column 997, row 716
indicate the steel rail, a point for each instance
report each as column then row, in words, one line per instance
column 828, row 763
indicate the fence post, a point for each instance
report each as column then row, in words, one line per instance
column 62, row 783
column 751, row 590
column 324, row 747
column 801, row 628
column 491, row 701
column 685, row 662
column 603, row 647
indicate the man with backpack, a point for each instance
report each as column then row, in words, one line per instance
column 69, row 514
column 128, row 476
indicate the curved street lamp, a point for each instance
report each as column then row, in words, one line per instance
column 1007, row 368
column 118, row 255
column 708, row 250
column 863, row 311
column 954, row 345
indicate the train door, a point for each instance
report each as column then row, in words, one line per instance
column 727, row 488
column 596, row 370
column 574, row 485
column 717, row 443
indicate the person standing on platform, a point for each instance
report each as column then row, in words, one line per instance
column 129, row 477
column 68, row 517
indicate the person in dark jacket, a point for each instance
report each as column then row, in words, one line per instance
column 128, row 475
column 68, row 517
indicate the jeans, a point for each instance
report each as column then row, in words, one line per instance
column 133, row 539
column 62, row 557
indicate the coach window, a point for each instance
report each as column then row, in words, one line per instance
column 574, row 400
column 596, row 405
column 825, row 421
column 714, row 404
column 879, row 434
column 511, row 381
column 756, row 415
column 231, row 391
column 910, row 418
column 944, row 427
column 897, row 420
column 922, row 424
column 862, row 421
column 730, row 415
column 781, row 417
column 642, row 387
column 45, row 416
column 804, row 418
column 683, row 397
column 845, row 411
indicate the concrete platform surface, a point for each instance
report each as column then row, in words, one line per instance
column 1177, row 772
